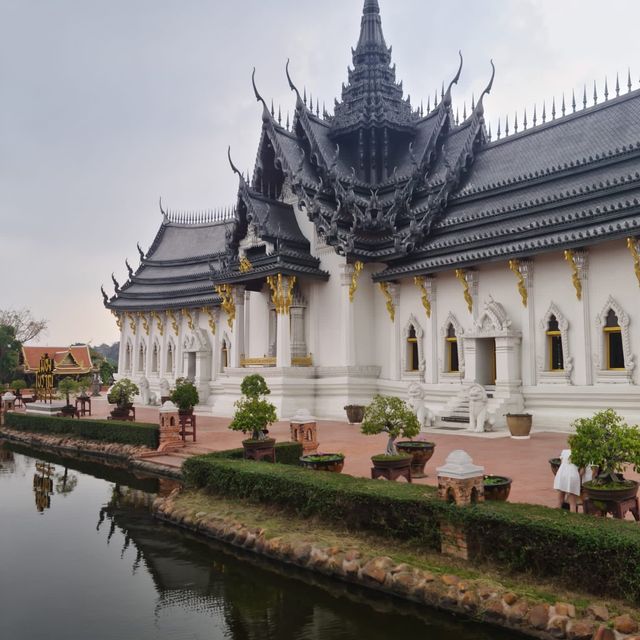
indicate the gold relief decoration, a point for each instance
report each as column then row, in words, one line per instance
column 174, row 323
column 186, row 313
column 421, row 283
column 212, row 320
column 462, row 277
column 145, row 322
column 570, row 257
column 159, row 324
column 514, row 265
column 391, row 308
column 245, row 265
column 118, row 318
column 632, row 243
column 358, row 266
column 281, row 292
column 225, row 291
column 132, row 323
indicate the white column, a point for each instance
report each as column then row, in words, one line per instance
column 348, row 317
column 394, row 346
column 529, row 373
column 247, row 323
column 215, row 340
column 584, row 374
column 283, row 309
column 431, row 338
column 238, row 350
column 298, row 341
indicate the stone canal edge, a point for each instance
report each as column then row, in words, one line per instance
column 445, row 592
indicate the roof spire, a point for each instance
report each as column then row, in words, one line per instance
column 371, row 40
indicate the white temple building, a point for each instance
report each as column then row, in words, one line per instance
column 384, row 246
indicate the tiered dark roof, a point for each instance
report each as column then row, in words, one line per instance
column 383, row 182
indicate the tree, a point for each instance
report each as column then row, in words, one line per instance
column 391, row 416
column 24, row 325
column 9, row 353
column 253, row 413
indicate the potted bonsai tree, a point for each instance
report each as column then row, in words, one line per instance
column 253, row 415
column 122, row 394
column 66, row 387
column 394, row 417
column 605, row 441
column 185, row 396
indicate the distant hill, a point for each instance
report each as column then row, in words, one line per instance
column 110, row 352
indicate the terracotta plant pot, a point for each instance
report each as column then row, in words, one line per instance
column 421, row 453
column 626, row 491
column 355, row 413
column 497, row 488
column 260, row 449
column 555, row 464
column 333, row 462
column 391, row 462
column 520, row 425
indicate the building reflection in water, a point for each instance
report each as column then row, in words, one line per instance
column 7, row 459
column 43, row 485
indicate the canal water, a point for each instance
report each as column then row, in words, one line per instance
column 81, row 558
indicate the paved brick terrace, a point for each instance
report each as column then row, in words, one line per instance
column 526, row 461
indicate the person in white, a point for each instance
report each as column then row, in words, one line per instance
column 568, row 481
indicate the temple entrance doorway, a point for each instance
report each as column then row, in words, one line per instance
column 486, row 361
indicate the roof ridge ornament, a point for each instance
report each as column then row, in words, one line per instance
column 266, row 114
column 293, row 86
column 233, row 166
column 447, row 95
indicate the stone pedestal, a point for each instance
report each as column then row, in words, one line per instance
column 462, row 482
column 304, row 430
column 170, row 439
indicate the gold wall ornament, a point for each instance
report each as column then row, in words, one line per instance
column 132, row 323
column 225, row 291
column 632, row 244
column 118, row 318
column 174, row 322
column 245, row 265
column 186, row 313
column 570, row 257
column 391, row 308
column 159, row 324
column 281, row 293
column 358, row 266
column 421, row 283
column 514, row 265
column 145, row 322
column 461, row 274
column 212, row 320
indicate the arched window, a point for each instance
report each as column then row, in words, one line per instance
column 453, row 361
column 554, row 345
column 141, row 357
column 413, row 354
column 127, row 357
column 614, row 348
column 224, row 355
column 155, row 358
column 170, row 358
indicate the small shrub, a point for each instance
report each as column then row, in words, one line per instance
column 123, row 392
column 392, row 416
column 253, row 413
column 185, row 396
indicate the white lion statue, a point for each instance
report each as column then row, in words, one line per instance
column 479, row 418
column 425, row 416
column 147, row 397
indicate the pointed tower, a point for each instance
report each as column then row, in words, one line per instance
column 373, row 107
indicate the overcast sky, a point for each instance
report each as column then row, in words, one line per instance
column 107, row 104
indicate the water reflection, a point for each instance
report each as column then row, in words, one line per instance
column 43, row 485
column 137, row 578
column 7, row 459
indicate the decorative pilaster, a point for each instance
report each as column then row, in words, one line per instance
column 392, row 294
column 387, row 290
column 188, row 316
column 634, row 248
column 247, row 321
column 571, row 258
column 348, row 315
column 236, row 301
column 431, row 371
column 282, row 298
column 174, row 322
column 469, row 282
column 159, row 322
column 524, row 273
column 357, row 270
column 580, row 267
column 420, row 282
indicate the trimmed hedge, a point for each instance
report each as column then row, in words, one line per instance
column 134, row 433
column 597, row 555
column 287, row 453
